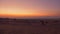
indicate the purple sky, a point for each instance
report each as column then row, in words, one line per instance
column 48, row 7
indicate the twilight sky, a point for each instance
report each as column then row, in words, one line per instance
column 19, row 8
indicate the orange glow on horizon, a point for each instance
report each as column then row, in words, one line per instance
column 24, row 15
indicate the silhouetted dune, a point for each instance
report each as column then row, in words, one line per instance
column 29, row 26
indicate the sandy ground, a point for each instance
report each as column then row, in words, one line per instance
column 30, row 29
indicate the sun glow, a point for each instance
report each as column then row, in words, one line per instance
column 17, row 12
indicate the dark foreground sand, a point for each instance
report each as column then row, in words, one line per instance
column 30, row 29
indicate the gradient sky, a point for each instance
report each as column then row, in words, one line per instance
column 18, row 8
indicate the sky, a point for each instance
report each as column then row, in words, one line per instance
column 29, row 8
